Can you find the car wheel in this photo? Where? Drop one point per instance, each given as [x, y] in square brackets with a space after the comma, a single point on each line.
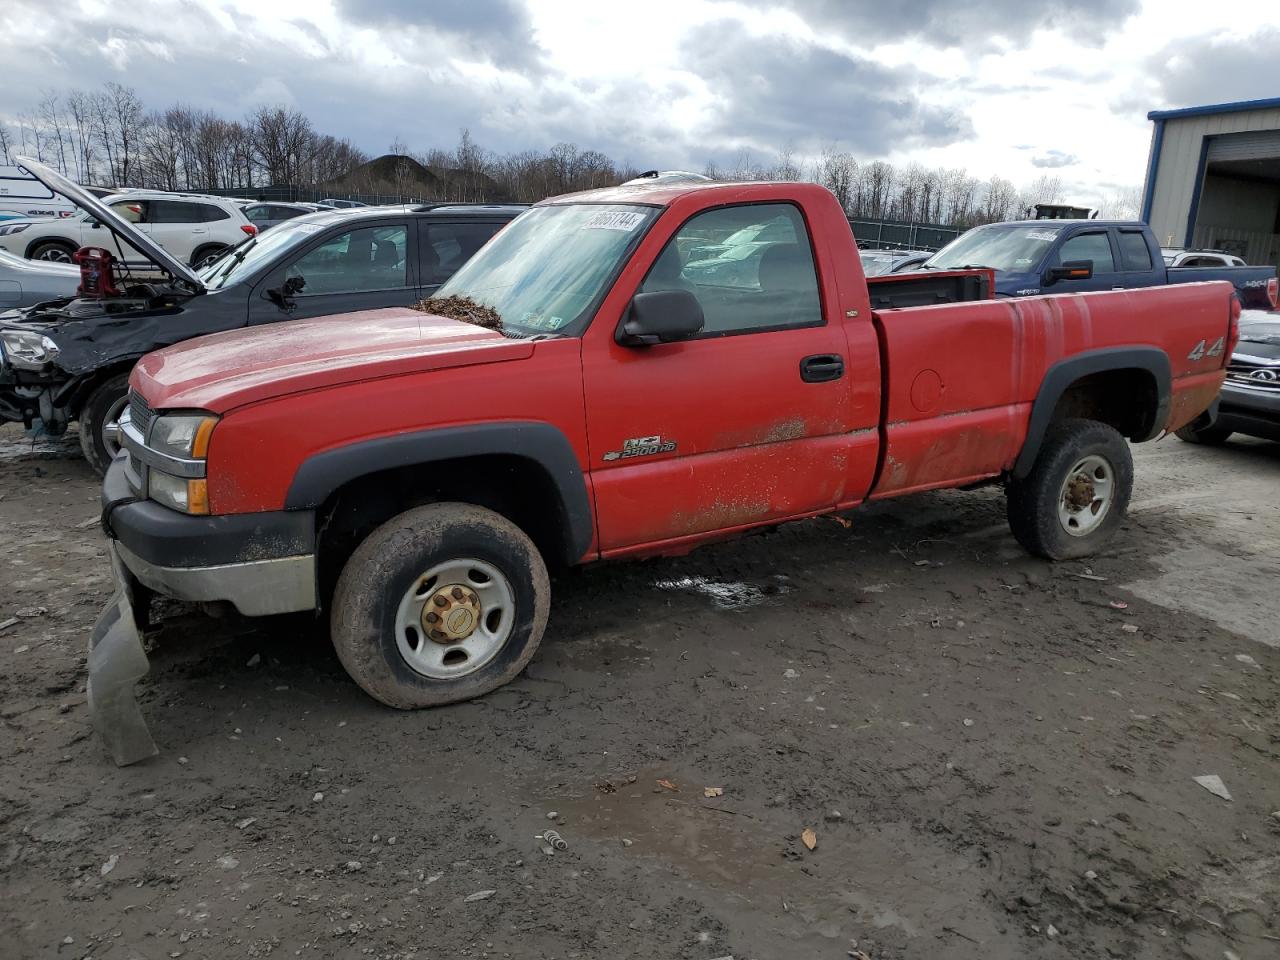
[1075, 496]
[442, 603]
[100, 422]
[205, 256]
[53, 251]
[1210, 435]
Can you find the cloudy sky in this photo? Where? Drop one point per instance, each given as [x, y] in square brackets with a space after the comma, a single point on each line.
[1010, 87]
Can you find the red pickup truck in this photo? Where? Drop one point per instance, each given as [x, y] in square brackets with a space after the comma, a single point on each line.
[655, 384]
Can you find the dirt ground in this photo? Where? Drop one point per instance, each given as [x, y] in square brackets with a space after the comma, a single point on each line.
[996, 754]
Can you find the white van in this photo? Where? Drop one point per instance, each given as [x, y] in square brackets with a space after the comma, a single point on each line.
[23, 194]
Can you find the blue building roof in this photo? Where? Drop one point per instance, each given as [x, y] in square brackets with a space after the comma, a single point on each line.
[1237, 107]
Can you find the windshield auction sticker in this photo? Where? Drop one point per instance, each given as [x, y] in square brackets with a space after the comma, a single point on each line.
[1044, 235]
[615, 220]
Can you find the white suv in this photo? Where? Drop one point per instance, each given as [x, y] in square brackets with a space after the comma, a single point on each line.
[194, 229]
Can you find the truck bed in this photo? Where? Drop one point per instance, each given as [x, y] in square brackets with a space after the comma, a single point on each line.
[1257, 286]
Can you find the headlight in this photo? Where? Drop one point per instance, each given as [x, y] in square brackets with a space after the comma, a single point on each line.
[182, 435]
[27, 349]
[186, 496]
[12, 228]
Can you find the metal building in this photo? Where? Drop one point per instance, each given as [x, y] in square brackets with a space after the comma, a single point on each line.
[1213, 178]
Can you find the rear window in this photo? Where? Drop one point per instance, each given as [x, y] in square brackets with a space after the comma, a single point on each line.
[1134, 251]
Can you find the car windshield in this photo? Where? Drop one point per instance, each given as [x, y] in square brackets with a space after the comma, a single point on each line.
[248, 256]
[549, 266]
[874, 265]
[1013, 247]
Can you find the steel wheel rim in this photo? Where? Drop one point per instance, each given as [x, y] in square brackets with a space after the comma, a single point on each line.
[54, 255]
[110, 432]
[1086, 496]
[453, 657]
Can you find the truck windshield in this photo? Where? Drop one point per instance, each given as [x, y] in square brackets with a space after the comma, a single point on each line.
[550, 265]
[1013, 247]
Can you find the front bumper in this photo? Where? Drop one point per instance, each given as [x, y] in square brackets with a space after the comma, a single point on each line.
[262, 563]
[1254, 411]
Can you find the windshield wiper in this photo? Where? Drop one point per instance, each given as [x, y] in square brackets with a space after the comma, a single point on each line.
[233, 260]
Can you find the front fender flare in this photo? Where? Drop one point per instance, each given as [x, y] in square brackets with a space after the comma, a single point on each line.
[541, 443]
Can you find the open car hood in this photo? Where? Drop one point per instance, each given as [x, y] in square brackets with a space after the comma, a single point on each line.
[114, 222]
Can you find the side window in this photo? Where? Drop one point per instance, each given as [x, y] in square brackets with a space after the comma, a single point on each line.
[372, 258]
[283, 213]
[1133, 250]
[450, 245]
[750, 267]
[1089, 246]
[135, 211]
[210, 214]
[180, 211]
[258, 214]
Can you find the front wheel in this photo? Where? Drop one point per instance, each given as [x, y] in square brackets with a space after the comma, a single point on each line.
[53, 251]
[100, 422]
[1075, 496]
[442, 603]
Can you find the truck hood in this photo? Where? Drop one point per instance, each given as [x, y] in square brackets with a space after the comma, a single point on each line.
[227, 370]
[1259, 335]
[114, 222]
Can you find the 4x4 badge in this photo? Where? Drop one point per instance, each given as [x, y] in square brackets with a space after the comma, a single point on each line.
[641, 447]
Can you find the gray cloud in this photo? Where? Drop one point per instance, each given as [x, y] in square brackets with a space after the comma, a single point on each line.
[1053, 159]
[500, 30]
[1202, 70]
[778, 91]
[969, 25]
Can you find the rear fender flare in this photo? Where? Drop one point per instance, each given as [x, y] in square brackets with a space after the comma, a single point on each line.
[544, 445]
[1064, 373]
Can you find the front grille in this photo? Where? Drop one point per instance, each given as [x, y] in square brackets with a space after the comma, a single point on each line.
[140, 413]
[1253, 373]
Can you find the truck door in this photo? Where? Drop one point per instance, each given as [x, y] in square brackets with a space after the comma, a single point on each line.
[1090, 243]
[748, 422]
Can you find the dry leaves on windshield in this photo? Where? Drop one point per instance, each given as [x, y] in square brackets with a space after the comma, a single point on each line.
[462, 308]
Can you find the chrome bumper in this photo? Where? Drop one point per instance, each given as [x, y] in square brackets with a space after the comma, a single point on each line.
[256, 588]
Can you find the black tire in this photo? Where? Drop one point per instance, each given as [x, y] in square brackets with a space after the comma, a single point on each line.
[206, 255]
[1210, 435]
[1034, 502]
[55, 251]
[100, 411]
[383, 570]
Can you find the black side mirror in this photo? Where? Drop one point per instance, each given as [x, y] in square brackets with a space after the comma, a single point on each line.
[1071, 270]
[663, 316]
[283, 296]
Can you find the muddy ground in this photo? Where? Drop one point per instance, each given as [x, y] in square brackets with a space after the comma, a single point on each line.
[996, 754]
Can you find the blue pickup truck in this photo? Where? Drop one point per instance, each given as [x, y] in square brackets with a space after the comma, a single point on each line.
[1033, 257]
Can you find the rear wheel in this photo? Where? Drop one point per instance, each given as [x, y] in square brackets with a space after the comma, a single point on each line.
[1076, 494]
[100, 422]
[206, 255]
[442, 603]
[53, 251]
